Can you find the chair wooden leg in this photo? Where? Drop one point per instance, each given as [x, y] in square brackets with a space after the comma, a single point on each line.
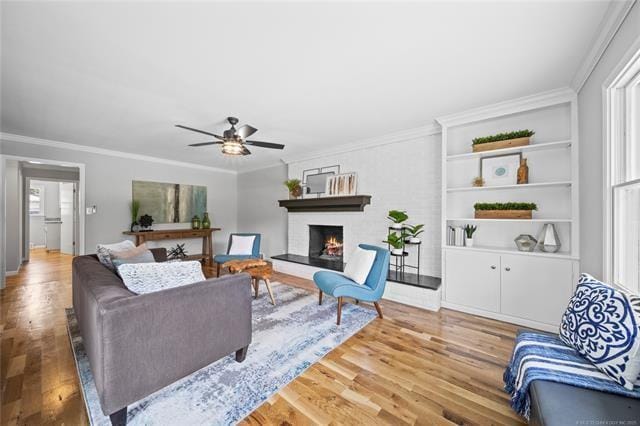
[217, 269]
[320, 298]
[339, 309]
[268, 284]
[255, 287]
[378, 309]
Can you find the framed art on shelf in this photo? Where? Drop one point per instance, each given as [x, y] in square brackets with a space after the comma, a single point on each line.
[500, 170]
[342, 184]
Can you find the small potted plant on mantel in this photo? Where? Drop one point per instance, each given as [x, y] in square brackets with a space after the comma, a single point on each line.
[502, 140]
[412, 233]
[469, 230]
[396, 241]
[397, 217]
[504, 210]
[295, 190]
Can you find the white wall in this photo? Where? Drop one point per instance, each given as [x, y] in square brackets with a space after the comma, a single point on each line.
[108, 186]
[403, 176]
[258, 209]
[13, 258]
[591, 105]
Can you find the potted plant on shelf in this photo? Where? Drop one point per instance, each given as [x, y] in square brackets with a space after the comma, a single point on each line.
[396, 241]
[397, 217]
[504, 210]
[135, 209]
[502, 140]
[295, 190]
[468, 233]
[412, 233]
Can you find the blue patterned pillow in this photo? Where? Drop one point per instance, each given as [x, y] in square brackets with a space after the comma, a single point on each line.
[603, 325]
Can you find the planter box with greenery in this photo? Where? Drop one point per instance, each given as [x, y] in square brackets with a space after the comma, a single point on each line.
[502, 140]
[504, 210]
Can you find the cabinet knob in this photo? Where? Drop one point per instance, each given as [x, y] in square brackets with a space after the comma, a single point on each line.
[493, 266]
[507, 269]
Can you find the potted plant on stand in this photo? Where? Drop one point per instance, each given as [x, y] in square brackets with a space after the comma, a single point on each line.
[135, 209]
[412, 233]
[397, 217]
[295, 190]
[396, 241]
[468, 233]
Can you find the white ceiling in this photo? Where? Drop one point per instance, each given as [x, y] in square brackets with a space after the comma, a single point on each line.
[309, 75]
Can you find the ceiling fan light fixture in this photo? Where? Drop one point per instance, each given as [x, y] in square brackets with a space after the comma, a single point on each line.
[232, 148]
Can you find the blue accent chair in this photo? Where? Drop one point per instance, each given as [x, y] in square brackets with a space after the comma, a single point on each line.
[337, 285]
[255, 252]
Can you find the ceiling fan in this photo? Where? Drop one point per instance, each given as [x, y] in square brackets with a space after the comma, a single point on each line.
[233, 141]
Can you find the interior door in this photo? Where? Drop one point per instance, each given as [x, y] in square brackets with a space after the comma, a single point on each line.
[473, 279]
[536, 288]
[67, 217]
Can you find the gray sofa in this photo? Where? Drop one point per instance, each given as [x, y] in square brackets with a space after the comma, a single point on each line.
[138, 344]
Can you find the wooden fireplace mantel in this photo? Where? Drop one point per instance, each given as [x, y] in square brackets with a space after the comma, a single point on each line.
[350, 203]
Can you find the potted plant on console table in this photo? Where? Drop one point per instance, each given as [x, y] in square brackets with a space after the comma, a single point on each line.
[504, 210]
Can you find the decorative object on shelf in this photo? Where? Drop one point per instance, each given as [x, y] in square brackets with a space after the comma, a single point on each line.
[195, 222]
[502, 140]
[504, 210]
[295, 190]
[455, 236]
[146, 221]
[342, 184]
[523, 172]
[525, 242]
[548, 240]
[206, 222]
[397, 217]
[396, 241]
[185, 200]
[314, 181]
[135, 209]
[478, 182]
[469, 230]
[500, 170]
[177, 252]
[412, 232]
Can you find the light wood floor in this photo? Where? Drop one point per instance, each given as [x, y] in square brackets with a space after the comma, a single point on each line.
[412, 367]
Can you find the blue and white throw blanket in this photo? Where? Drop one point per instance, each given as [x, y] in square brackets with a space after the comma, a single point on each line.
[539, 356]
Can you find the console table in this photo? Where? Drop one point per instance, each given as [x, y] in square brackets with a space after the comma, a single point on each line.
[180, 234]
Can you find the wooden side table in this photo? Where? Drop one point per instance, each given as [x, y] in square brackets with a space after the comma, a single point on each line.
[259, 271]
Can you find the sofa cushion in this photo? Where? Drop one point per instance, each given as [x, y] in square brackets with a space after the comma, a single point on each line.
[144, 278]
[104, 251]
[140, 254]
[603, 325]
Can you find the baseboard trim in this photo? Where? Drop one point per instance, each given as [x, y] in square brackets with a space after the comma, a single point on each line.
[11, 273]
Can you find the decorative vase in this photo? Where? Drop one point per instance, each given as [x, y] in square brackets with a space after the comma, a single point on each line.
[523, 172]
[396, 226]
[548, 240]
[525, 242]
[195, 222]
[468, 242]
[415, 240]
[206, 222]
[295, 193]
[135, 226]
[397, 252]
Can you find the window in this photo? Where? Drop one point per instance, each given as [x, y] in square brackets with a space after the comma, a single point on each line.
[622, 238]
[36, 200]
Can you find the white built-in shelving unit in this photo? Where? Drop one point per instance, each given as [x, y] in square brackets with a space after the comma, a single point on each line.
[493, 278]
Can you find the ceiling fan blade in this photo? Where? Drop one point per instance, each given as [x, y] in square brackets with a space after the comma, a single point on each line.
[265, 144]
[199, 131]
[246, 131]
[245, 151]
[206, 143]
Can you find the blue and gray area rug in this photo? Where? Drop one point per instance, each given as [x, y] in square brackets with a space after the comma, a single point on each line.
[287, 339]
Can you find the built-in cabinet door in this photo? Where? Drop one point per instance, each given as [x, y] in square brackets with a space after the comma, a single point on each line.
[535, 288]
[473, 279]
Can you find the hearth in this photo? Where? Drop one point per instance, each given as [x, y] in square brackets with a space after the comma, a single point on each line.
[326, 242]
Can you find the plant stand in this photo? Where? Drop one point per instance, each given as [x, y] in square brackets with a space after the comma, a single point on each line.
[398, 262]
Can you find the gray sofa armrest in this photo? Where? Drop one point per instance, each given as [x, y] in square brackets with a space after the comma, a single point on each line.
[151, 340]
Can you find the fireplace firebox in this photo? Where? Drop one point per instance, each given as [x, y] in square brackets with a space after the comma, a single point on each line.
[326, 242]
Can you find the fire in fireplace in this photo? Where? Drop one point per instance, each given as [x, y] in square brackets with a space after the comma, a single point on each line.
[325, 242]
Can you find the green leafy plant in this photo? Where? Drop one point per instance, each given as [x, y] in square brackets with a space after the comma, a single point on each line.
[397, 216]
[504, 136]
[505, 206]
[396, 239]
[292, 184]
[414, 230]
[134, 206]
[469, 230]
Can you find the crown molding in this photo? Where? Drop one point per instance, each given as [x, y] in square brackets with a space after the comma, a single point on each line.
[262, 167]
[613, 19]
[112, 153]
[539, 100]
[390, 138]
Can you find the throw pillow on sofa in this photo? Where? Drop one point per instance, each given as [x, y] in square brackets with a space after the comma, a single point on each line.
[140, 254]
[603, 325]
[145, 278]
[359, 265]
[104, 251]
